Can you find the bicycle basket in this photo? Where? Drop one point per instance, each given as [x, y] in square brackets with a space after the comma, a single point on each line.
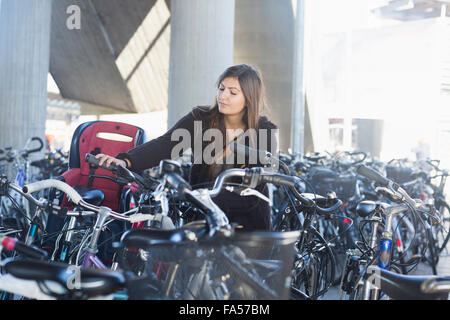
[346, 187]
[399, 174]
[322, 180]
[250, 266]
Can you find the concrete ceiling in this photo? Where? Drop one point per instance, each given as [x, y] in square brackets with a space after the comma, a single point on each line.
[119, 58]
[407, 10]
[102, 63]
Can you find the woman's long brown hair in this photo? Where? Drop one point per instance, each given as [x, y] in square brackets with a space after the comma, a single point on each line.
[252, 86]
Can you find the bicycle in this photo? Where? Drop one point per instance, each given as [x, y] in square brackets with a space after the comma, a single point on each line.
[354, 282]
[442, 234]
[166, 172]
[407, 287]
[13, 208]
[30, 276]
[206, 240]
[215, 218]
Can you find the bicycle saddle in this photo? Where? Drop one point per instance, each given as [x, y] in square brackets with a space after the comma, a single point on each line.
[405, 287]
[181, 242]
[365, 208]
[145, 238]
[87, 283]
[92, 196]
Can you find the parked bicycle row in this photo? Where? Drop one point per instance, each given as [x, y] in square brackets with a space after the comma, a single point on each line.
[415, 232]
[17, 163]
[340, 219]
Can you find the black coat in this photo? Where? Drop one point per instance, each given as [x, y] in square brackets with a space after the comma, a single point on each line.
[251, 212]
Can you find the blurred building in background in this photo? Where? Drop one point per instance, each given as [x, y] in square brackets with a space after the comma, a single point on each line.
[378, 76]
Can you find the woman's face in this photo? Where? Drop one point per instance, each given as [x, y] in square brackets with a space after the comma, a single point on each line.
[230, 97]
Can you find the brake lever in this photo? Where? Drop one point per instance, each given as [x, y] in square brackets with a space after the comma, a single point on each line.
[389, 193]
[160, 195]
[434, 215]
[253, 192]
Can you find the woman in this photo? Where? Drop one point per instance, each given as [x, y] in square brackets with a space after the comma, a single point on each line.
[235, 112]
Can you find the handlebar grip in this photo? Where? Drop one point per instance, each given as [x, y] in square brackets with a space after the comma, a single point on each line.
[120, 171]
[373, 175]
[314, 158]
[358, 153]
[52, 183]
[12, 244]
[279, 179]
[91, 159]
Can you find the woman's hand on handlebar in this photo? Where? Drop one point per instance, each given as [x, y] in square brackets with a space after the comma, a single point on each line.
[110, 159]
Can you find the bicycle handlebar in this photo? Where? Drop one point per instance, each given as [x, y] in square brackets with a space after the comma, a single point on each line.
[11, 154]
[120, 171]
[52, 183]
[253, 177]
[383, 181]
[78, 200]
[41, 145]
[315, 158]
[12, 244]
[353, 153]
[91, 159]
[376, 176]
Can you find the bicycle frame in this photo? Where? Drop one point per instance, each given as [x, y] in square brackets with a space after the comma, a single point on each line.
[385, 244]
[90, 257]
[382, 258]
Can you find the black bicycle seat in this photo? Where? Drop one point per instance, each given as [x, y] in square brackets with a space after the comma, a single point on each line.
[145, 238]
[405, 287]
[92, 196]
[366, 208]
[176, 245]
[87, 283]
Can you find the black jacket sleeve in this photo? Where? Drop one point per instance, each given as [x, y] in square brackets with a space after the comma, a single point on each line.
[149, 154]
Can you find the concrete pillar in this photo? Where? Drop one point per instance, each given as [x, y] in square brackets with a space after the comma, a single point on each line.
[264, 38]
[24, 65]
[201, 48]
[298, 94]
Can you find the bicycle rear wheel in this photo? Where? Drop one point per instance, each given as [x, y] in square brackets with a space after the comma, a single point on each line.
[314, 266]
[443, 231]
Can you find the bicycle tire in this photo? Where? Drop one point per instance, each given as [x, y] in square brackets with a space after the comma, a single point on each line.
[444, 231]
[309, 280]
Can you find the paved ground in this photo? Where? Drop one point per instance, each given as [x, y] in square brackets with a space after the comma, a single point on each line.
[443, 268]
